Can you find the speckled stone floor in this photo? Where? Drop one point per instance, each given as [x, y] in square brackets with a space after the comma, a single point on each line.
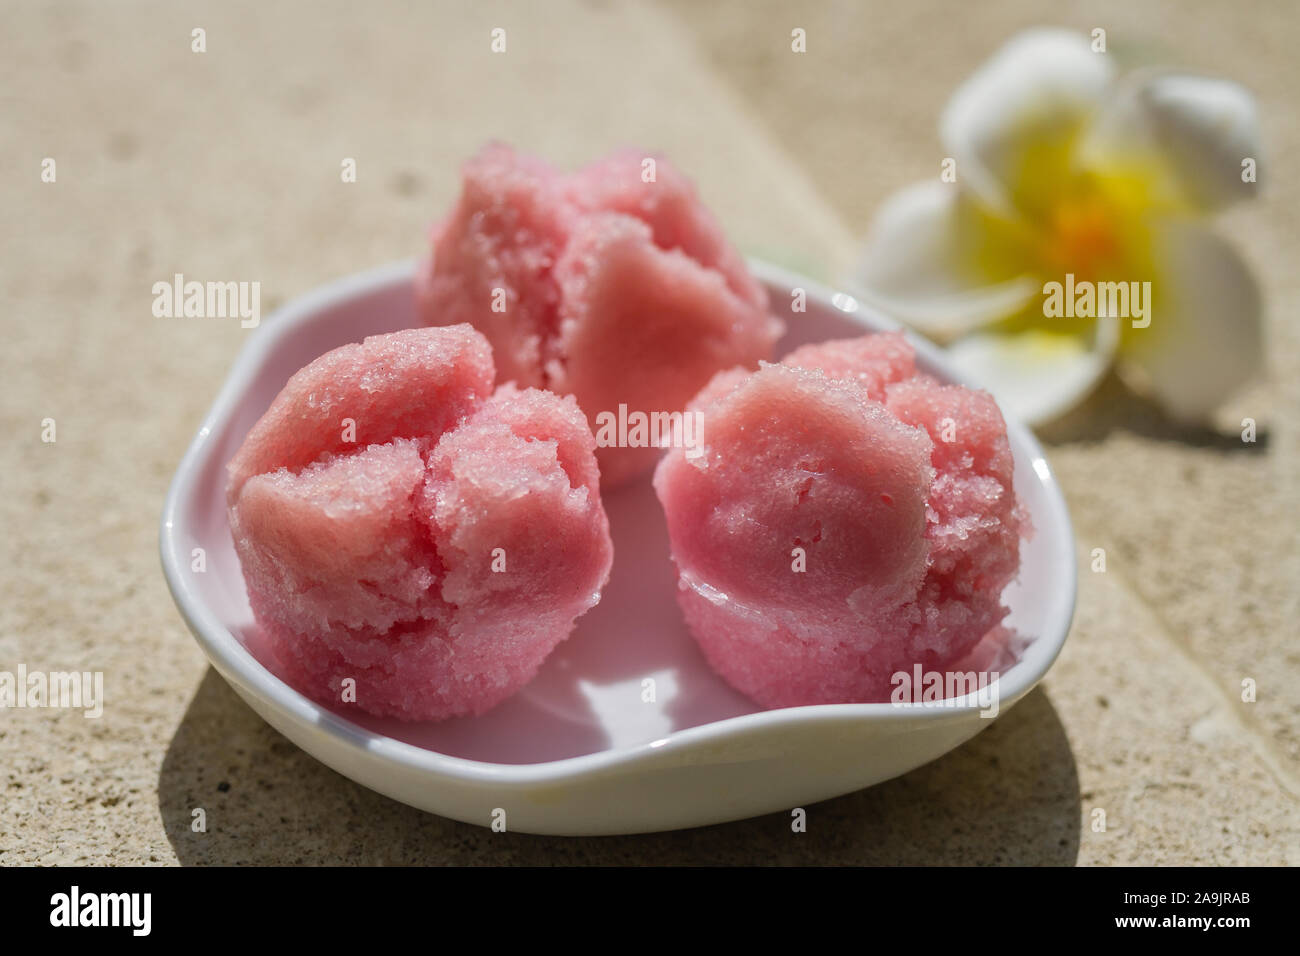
[226, 163]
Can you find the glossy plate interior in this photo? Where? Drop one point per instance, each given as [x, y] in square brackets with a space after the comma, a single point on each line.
[584, 714]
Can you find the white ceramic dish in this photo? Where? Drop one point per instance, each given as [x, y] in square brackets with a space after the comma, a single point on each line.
[578, 751]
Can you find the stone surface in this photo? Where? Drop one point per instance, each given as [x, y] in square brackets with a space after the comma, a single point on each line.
[226, 165]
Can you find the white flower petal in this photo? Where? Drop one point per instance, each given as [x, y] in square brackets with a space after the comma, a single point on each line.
[1038, 90]
[1037, 374]
[1196, 129]
[1206, 333]
[932, 261]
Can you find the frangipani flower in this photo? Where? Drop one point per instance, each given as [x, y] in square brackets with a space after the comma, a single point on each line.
[1069, 181]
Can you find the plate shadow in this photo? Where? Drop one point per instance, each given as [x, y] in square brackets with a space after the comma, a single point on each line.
[1008, 796]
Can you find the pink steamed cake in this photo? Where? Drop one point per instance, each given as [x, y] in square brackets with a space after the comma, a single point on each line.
[908, 539]
[614, 290]
[374, 559]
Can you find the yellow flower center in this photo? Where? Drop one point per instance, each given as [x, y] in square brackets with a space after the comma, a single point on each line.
[1082, 236]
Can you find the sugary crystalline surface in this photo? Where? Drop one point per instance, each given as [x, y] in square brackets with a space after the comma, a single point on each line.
[439, 557]
[846, 519]
[599, 284]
